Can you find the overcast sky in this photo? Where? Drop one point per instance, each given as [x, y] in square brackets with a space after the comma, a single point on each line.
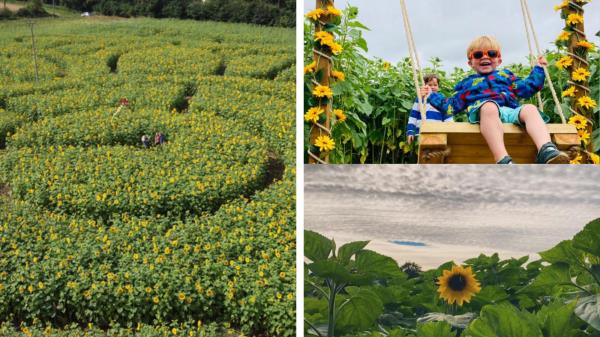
[444, 28]
[523, 207]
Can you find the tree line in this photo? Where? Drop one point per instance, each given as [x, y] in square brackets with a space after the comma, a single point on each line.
[262, 12]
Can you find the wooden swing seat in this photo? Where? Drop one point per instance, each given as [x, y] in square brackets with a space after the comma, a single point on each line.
[462, 143]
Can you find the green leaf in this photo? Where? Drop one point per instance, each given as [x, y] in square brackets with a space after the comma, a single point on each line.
[556, 274]
[588, 309]
[357, 24]
[330, 269]
[503, 320]
[557, 320]
[360, 310]
[377, 265]
[329, 27]
[563, 252]
[346, 251]
[362, 44]
[364, 107]
[316, 246]
[588, 239]
[490, 295]
[435, 329]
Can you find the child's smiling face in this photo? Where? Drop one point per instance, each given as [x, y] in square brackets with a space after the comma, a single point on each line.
[485, 64]
[433, 84]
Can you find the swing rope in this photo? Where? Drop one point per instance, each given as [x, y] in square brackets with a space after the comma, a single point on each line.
[531, 55]
[527, 18]
[415, 65]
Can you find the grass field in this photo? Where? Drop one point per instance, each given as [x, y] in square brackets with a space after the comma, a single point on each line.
[192, 237]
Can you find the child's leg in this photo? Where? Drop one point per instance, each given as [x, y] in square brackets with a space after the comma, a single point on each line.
[534, 124]
[491, 129]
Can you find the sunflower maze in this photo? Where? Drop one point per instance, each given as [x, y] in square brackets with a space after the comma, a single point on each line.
[98, 232]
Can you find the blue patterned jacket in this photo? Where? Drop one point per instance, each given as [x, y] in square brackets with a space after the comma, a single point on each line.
[501, 86]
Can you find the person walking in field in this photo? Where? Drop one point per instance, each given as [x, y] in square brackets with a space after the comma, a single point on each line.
[145, 141]
[490, 98]
[432, 114]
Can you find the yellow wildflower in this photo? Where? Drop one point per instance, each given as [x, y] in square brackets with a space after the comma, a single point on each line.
[155, 299]
[324, 37]
[564, 62]
[336, 48]
[574, 19]
[584, 136]
[570, 92]
[310, 68]
[580, 74]
[334, 11]
[324, 143]
[340, 115]
[579, 121]
[564, 36]
[576, 160]
[586, 102]
[338, 75]
[316, 14]
[174, 331]
[562, 5]
[586, 44]
[595, 158]
[386, 65]
[181, 296]
[322, 91]
[313, 114]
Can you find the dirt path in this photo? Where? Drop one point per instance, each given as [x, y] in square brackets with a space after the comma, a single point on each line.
[12, 7]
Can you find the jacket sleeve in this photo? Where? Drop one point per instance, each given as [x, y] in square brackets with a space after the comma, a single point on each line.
[413, 118]
[448, 106]
[526, 88]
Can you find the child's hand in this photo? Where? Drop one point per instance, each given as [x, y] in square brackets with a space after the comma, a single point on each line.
[542, 61]
[410, 139]
[425, 91]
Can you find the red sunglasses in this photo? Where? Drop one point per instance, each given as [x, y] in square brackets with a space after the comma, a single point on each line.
[478, 54]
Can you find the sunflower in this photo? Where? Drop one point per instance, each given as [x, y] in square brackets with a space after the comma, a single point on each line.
[324, 143]
[325, 38]
[310, 68]
[574, 19]
[564, 62]
[579, 121]
[336, 48]
[584, 136]
[386, 65]
[576, 160]
[586, 44]
[340, 115]
[595, 158]
[322, 91]
[338, 75]
[334, 11]
[586, 102]
[458, 285]
[580, 75]
[564, 4]
[313, 114]
[564, 36]
[570, 92]
[316, 14]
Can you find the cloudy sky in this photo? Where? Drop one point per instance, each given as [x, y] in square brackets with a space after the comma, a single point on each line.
[444, 28]
[522, 208]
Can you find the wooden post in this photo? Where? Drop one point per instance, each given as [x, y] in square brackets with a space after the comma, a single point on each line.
[33, 50]
[580, 60]
[323, 66]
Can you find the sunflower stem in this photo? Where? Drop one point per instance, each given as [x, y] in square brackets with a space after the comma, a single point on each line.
[331, 316]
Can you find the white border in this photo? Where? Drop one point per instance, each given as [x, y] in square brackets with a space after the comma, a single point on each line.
[299, 168]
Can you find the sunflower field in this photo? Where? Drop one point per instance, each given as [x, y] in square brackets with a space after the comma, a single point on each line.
[371, 98]
[351, 291]
[103, 234]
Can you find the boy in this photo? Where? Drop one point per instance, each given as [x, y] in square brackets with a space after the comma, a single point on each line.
[432, 114]
[490, 98]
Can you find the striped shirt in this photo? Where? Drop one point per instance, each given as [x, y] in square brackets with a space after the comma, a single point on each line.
[432, 115]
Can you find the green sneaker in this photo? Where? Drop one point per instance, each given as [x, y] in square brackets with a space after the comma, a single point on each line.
[505, 160]
[549, 154]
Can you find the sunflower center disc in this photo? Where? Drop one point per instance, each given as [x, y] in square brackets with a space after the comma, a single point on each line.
[457, 283]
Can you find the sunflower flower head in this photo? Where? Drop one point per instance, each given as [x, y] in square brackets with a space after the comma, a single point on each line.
[564, 62]
[322, 91]
[576, 160]
[313, 114]
[325, 143]
[574, 19]
[562, 5]
[316, 14]
[580, 75]
[563, 36]
[340, 115]
[310, 68]
[594, 158]
[334, 11]
[386, 65]
[586, 102]
[338, 75]
[325, 38]
[570, 92]
[579, 121]
[586, 44]
[458, 285]
[584, 136]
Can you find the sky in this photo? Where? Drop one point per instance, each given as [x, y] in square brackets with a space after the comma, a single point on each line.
[444, 28]
[524, 208]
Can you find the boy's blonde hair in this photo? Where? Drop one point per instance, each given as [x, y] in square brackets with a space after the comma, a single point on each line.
[483, 42]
